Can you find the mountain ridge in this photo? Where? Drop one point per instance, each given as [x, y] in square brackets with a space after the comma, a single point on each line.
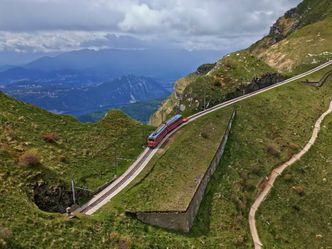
[70, 99]
[298, 41]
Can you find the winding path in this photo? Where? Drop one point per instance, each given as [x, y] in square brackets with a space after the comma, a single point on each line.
[275, 173]
[132, 172]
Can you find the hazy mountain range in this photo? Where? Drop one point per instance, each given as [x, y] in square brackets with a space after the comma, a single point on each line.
[84, 81]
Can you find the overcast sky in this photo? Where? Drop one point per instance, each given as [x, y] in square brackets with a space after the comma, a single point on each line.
[62, 25]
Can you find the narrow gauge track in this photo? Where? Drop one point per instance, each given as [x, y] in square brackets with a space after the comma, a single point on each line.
[114, 188]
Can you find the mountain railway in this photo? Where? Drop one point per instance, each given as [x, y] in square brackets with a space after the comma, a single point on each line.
[132, 172]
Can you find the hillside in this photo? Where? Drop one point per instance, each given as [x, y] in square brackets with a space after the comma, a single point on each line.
[303, 198]
[61, 148]
[267, 130]
[71, 99]
[299, 40]
[41, 152]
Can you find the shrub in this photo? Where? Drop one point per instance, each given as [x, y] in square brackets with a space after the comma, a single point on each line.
[5, 235]
[293, 146]
[239, 240]
[62, 158]
[50, 137]
[125, 243]
[273, 151]
[204, 135]
[256, 170]
[29, 158]
[299, 190]
[4, 149]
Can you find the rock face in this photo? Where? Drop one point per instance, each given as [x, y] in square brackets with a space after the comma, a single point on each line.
[284, 26]
[256, 84]
[268, 79]
[55, 198]
[205, 68]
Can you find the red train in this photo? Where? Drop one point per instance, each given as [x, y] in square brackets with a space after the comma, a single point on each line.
[155, 138]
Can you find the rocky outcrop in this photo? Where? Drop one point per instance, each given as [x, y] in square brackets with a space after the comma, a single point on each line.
[284, 26]
[205, 68]
[256, 84]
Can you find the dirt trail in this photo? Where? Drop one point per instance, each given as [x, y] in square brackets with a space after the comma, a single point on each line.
[275, 173]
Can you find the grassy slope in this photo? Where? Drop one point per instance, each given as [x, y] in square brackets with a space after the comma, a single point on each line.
[234, 70]
[89, 148]
[289, 220]
[302, 50]
[281, 119]
[177, 170]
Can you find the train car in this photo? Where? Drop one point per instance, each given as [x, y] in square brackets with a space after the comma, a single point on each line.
[155, 138]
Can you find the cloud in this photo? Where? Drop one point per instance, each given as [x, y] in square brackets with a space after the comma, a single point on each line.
[62, 24]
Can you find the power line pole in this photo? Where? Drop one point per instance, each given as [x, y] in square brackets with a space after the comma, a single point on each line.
[73, 189]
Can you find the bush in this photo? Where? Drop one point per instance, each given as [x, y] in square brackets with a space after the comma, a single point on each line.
[273, 151]
[62, 158]
[29, 158]
[4, 149]
[125, 243]
[256, 170]
[204, 135]
[293, 146]
[299, 190]
[5, 235]
[50, 137]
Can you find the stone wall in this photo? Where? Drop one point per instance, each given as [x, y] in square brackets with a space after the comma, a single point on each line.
[322, 80]
[183, 220]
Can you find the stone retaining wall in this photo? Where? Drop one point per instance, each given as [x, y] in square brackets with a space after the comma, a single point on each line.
[183, 220]
[321, 82]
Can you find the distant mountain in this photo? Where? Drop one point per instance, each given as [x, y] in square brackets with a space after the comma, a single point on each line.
[86, 66]
[68, 98]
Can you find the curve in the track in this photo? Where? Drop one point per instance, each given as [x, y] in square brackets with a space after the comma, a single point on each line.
[114, 188]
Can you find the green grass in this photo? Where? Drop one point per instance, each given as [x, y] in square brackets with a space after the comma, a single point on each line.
[177, 170]
[316, 77]
[281, 118]
[304, 49]
[289, 220]
[90, 149]
[239, 67]
[196, 91]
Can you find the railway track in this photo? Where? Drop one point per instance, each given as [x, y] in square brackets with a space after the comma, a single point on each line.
[114, 188]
